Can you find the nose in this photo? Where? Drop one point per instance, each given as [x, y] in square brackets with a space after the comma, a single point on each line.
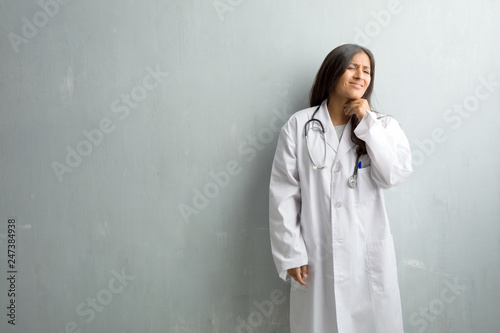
[358, 73]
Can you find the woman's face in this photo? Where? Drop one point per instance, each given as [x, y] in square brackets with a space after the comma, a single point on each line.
[356, 78]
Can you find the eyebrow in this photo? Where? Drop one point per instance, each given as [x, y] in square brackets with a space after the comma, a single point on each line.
[355, 64]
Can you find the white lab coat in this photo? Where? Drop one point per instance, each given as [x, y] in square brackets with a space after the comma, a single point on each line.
[343, 234]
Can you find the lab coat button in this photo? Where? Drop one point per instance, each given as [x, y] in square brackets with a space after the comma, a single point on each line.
[337, 205]
[337, 170]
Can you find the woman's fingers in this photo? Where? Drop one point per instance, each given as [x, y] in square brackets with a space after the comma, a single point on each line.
[304, 271]
[299, 280]
[298, 273]
[357, 107]
[294, 272]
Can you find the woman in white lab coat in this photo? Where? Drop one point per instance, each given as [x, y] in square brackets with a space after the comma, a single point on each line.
[329, 232]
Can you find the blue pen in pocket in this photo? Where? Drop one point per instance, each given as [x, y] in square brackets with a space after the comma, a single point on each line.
[359, 165]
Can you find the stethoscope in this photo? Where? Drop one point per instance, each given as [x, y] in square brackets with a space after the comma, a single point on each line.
[353, 180]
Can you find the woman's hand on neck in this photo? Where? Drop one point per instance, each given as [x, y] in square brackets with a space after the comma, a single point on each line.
[336, 110]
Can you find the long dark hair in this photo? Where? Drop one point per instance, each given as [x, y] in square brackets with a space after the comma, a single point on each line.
[332, 68]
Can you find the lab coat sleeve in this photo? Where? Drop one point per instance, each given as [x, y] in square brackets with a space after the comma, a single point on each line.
[388, 148]
[287, 244]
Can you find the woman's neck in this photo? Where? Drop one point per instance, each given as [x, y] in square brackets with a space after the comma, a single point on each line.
[336, 110]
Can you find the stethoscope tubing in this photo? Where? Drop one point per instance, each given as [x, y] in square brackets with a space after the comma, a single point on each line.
[306, 134]
[353, 179]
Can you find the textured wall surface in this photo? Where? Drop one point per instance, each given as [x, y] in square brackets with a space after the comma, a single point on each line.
[136, 140]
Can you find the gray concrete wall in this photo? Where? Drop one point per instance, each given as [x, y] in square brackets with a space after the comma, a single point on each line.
[136, 140]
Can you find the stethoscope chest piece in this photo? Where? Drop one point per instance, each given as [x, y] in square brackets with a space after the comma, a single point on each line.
[353, 181]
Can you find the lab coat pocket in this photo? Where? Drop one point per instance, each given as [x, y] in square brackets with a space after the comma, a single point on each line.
[381, 262]
[367, 189]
